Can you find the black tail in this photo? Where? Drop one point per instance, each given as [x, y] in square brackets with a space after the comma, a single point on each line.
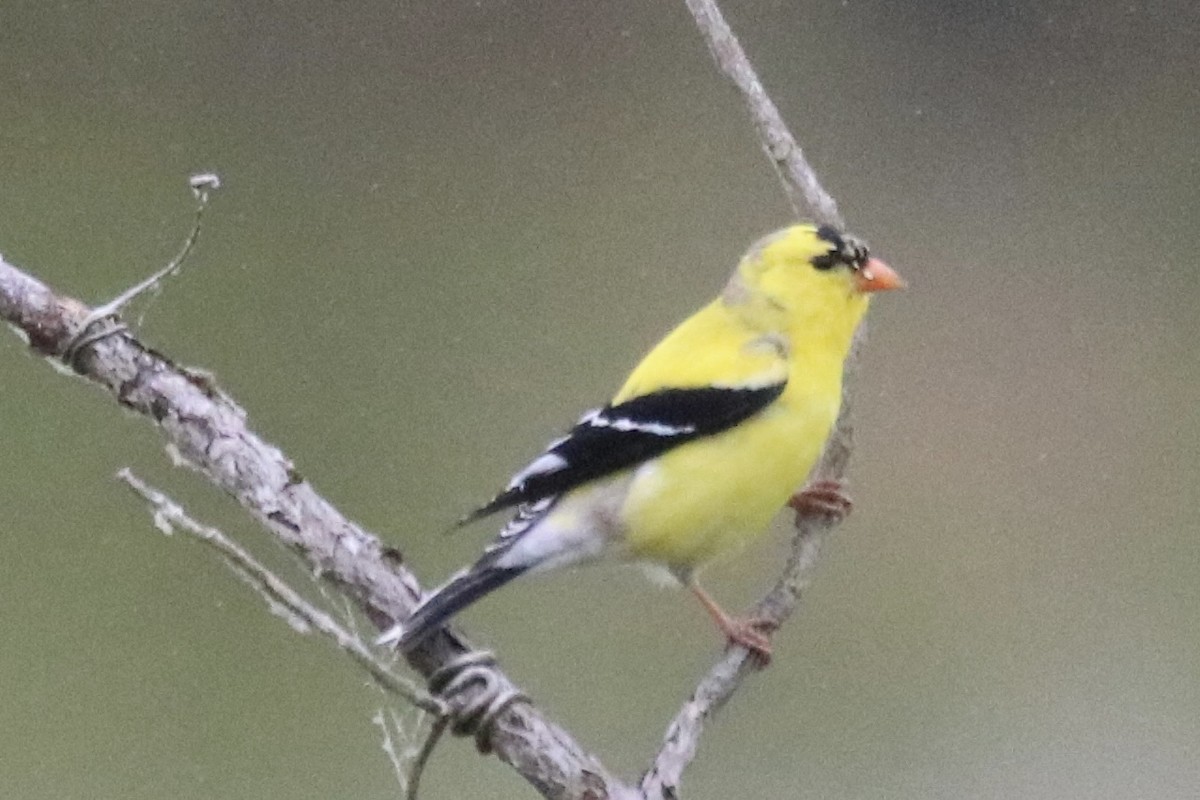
[459, 592]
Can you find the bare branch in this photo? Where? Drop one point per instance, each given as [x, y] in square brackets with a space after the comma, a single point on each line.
[804, 190]
[420, 758]
[169, 515]
[207, 430]
[202, 186]
[683, 734]
[387, 722]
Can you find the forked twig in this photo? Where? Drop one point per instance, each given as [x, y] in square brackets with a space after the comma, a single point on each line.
[799, 179]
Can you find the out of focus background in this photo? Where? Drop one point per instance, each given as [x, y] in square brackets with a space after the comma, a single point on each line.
[449, 227]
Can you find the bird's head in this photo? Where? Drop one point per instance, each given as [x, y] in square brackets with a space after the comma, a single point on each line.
[808, 277]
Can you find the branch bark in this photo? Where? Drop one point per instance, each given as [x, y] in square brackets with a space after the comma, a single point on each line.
[209, 430]
[799, 179]
[169, 516]
[682, 738]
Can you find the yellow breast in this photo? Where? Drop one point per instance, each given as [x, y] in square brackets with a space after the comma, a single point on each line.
[710, 498]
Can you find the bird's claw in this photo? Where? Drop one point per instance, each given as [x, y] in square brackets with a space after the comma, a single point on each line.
[824, 499]
[754, 634]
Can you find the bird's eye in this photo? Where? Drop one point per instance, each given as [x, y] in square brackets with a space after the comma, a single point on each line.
[827, 260]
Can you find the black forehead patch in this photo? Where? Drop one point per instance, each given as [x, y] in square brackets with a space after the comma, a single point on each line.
[830, 234]
[842, 250]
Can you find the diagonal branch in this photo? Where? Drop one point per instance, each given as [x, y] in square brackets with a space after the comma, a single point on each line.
[302, 615]
[682, 738]
[209, 431]
[804, 190]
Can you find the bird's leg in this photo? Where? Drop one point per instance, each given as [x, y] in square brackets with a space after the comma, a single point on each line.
[822, 499]
[752, 633]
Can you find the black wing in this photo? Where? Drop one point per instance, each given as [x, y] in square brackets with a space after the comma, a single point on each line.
[612, 438]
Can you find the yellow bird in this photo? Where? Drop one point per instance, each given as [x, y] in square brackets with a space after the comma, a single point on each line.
[709, 437]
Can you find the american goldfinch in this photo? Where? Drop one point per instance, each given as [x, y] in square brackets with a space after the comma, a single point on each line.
[709, 437]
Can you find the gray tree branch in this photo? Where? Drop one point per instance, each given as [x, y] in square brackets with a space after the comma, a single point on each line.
[169, 516]
[209, 431]
[808, 198]
[799, 179]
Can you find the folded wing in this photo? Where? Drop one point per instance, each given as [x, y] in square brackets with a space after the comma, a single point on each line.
[622, 435]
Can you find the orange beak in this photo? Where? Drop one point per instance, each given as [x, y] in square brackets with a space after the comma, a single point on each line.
[876, 276]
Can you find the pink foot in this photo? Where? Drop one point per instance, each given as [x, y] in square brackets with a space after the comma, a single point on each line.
[752, 633]
[823, 500]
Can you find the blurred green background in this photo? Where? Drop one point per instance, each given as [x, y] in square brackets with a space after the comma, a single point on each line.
[449, 227]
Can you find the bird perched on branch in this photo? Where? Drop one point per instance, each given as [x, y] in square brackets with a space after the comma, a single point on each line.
[710, 436]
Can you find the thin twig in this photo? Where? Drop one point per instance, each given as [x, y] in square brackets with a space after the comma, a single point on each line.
[421, 758]
[202, 187]
[167, 512]
[101, 322]
[804, 190]
[682, 738]
[386, 725]
[408, 777]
